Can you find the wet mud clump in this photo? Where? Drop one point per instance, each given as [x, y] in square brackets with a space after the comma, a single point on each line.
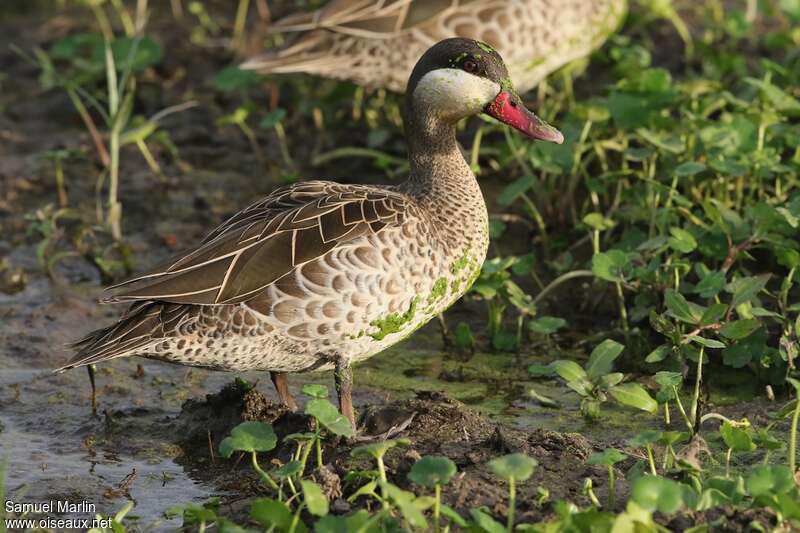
[434, 425]
[204, 423]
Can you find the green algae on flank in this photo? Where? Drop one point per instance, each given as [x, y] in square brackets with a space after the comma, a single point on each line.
[455, 285]
[437, 291]
[461, 263]
[394, 322]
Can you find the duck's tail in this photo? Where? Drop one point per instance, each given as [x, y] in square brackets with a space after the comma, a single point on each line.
[308, 55]
[138, 329]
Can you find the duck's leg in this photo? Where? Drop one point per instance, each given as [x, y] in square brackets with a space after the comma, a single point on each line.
[90, 369]
[447, 338]
[343, 377]
[279, 380]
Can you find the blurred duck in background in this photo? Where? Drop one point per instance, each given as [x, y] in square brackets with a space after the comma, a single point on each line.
[377, 43]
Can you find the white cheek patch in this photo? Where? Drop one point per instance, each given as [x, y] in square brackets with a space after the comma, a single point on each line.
[453, 93]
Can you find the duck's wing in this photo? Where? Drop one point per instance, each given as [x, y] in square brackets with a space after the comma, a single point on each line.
[266, 241]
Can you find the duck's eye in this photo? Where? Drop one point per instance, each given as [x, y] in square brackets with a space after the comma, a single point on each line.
[470, 66]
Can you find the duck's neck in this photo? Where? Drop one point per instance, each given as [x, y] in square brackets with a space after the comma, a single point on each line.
[433, 151]
[441, 180]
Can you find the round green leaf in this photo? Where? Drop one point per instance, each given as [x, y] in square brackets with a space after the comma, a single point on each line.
[546, 325]
[135, 53]
[315, 391]
[611, 265]
[770, 480]
[432, 470]
[516, 465]
[272, 513]
[648, 436]
[249, 437]
[329, 417]
[656, 493]
[736, 438]
[607, 457]
[315, 499]
[288, 470]
[233, 78]
[378, 449]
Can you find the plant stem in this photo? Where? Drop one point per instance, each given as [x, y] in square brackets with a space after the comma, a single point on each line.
[266, 477]
[62, 191]
[540, 223]
[436, 504]
[696, 393]
[295, 519]
[284, 145]
[306, 453]
[512, 501]
[623, 312]
[239, 23]
[114, 207]
[319, 453]
[381, 469]
[612, 487]
[102, 153]
[561, 279]
[383, 481]
[679, 403]
[114, 216]
[650, 459]
[251, 137]
[151, 161]
[793, 436]
[728, 462]
[124, 18]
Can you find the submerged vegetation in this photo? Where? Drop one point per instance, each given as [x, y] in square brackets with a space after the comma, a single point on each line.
[660, 242]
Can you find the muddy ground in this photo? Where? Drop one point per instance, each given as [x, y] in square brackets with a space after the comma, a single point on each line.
[158, 425]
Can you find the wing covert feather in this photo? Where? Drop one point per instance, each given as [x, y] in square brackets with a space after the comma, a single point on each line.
[266, 241]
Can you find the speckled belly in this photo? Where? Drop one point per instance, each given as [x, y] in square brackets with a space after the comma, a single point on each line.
[353, 302]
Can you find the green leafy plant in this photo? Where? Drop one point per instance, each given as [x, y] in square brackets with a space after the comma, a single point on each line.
[595, 381]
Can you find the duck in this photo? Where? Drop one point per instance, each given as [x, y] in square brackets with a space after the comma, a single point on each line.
[321, 275]
[376, 43]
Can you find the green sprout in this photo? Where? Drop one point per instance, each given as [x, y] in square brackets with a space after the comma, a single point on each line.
[432, 471]
[608, 458]
[251, 437]
[514, 467]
